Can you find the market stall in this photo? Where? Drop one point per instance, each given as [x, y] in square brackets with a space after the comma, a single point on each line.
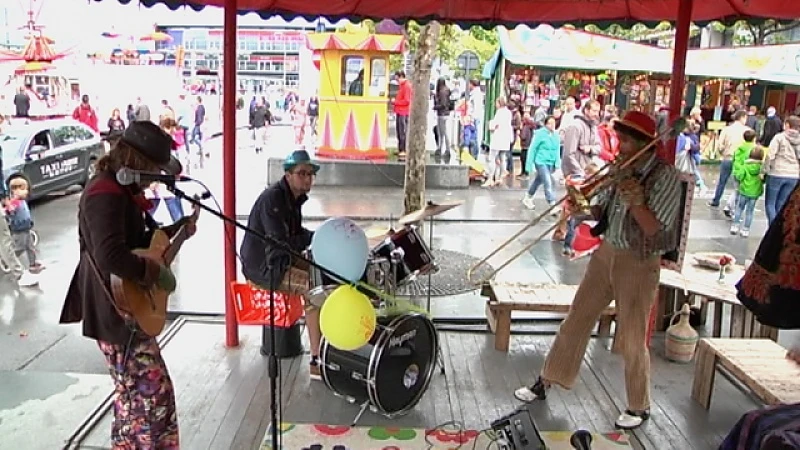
[353, 92]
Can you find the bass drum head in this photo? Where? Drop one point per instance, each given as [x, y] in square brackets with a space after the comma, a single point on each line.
[403, 362]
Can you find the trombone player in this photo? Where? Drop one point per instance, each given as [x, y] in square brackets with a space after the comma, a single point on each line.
[638, 217]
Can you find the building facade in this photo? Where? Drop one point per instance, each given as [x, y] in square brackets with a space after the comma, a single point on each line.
[267, 56]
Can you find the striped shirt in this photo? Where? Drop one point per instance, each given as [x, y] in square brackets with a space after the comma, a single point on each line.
[662, 187]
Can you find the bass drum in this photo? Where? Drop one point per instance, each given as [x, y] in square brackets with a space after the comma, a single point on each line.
[392, 371]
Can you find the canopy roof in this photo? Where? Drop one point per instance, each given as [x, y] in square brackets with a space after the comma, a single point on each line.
[505, 12]
[356, 41]
[37, 49]
[574, 49]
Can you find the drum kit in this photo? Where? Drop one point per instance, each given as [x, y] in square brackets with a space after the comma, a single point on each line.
[390, 374]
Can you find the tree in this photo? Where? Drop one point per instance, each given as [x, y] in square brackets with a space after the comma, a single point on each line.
[425, 49]
[767, 32]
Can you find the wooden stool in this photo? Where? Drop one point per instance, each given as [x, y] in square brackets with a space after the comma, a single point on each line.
[556, 298]
[759, 364]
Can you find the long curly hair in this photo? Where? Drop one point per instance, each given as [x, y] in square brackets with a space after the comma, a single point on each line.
[123, 155]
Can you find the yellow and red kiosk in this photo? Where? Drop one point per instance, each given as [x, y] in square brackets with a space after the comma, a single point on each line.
[353, 92]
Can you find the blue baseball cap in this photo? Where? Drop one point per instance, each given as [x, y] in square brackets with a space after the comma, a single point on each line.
[298, 157]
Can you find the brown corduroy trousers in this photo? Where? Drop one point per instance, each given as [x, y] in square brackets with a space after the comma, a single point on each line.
[622, 276]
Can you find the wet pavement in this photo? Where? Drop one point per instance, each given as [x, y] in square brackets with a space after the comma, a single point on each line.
[34, 343]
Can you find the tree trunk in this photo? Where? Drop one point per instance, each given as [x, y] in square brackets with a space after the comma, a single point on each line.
[414, 188]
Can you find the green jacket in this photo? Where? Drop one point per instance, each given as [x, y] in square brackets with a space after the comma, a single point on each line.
[748, 174]
[742, 153]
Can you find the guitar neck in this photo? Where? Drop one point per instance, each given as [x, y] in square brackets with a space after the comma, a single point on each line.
[175, 246]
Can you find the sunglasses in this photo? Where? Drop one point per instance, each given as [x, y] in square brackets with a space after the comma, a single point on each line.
[305, 173]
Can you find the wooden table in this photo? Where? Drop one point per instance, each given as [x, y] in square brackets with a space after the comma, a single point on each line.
[695, 282]
[507, 297]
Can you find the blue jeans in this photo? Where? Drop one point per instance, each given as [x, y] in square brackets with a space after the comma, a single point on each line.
[746, 205]
[174, 206]
[544, 178]
[777, 193]
[196, 138]
[725, 169]
[569, 237]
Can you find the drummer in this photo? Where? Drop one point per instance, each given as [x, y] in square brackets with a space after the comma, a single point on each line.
[278, 213]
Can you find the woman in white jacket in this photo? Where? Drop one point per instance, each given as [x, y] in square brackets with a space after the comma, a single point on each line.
[502, 135]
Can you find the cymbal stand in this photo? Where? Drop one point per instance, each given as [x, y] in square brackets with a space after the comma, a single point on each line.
[439, 355]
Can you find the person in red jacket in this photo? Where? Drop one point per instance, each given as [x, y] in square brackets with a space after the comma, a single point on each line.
[402, 106]
[609, 142]
[85, 114]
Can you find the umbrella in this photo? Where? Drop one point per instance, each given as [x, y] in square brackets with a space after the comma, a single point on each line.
[156, 36]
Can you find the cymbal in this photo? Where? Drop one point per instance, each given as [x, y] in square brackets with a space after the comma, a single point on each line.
[377, 232]
[430, 210]
[376, 235]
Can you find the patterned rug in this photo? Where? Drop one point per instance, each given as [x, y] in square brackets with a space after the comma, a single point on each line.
[328, 437]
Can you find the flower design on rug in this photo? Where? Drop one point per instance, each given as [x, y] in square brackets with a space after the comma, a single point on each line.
[285, 427]
[456, 436]
[332, 430]
[385, 433]
[617, 438]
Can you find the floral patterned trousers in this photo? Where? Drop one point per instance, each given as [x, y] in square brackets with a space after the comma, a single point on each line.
[145, 417]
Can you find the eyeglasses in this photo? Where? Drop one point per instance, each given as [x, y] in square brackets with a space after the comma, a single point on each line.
[305, 173]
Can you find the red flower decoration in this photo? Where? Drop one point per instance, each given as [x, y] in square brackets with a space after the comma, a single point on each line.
[332, 430]
[456, 436]
[725, 260]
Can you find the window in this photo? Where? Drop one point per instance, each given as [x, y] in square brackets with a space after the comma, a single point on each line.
[377, 77]
[42, 138]
[352, 75]
[83, 134]
[65, 135]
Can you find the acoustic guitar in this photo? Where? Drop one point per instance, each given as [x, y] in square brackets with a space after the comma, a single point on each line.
[149, 306]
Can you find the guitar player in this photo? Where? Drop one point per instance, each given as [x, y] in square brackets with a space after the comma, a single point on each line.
[112, 222]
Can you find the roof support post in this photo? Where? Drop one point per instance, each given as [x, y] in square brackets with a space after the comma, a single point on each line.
[229, 165]
[678, 69]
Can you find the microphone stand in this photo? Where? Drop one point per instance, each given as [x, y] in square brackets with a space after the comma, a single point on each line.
[273, 359]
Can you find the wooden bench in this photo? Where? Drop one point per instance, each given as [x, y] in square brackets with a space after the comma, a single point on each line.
[696, 282]
[759, 364]
[555, 298]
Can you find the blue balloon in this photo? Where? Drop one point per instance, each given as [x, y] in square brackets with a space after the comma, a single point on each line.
[341, 246]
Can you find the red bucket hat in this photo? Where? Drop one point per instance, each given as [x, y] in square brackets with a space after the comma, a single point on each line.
[637, 123]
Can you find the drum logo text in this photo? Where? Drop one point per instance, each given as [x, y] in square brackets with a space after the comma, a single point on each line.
[400, 340]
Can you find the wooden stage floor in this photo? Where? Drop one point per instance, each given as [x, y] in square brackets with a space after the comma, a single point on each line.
[223, 394]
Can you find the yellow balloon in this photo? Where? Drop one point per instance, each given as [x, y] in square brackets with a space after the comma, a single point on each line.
[347, 319]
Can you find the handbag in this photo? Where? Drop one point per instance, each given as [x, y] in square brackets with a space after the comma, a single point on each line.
[770, 287]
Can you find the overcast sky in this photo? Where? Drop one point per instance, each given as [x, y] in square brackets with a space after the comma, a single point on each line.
[72, 21]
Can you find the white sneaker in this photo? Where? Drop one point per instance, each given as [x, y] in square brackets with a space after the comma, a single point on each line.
[744, 233]
[734, 229]
[528, 202]
[28, 279]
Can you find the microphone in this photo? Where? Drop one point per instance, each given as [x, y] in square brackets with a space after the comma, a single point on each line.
[581, 440]
[126, 177]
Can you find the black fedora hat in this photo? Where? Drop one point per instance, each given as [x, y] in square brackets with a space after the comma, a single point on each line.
[153, 143]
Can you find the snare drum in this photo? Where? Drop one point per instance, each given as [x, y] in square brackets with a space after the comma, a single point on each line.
[378, 273]
[415, 258]
[392, 371]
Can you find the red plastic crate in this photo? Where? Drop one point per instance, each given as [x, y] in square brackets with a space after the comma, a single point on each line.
[252, 306]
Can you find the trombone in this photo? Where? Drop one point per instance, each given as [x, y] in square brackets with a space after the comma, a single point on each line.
[580, 196]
